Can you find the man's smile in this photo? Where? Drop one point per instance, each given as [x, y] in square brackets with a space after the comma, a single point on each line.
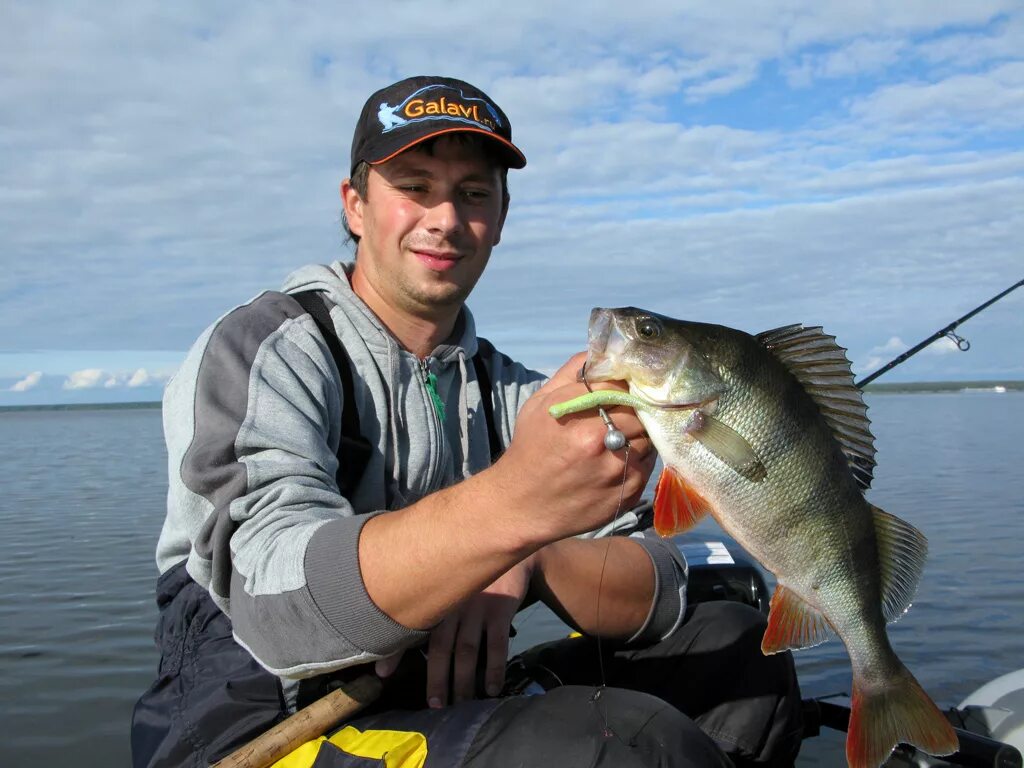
[438, 260]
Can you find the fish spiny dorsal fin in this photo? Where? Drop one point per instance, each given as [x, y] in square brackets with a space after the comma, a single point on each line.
[822, 368]
[793, 623]
[902, 551]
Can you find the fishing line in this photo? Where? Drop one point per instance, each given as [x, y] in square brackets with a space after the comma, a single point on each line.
[600, 581]
[614, 440]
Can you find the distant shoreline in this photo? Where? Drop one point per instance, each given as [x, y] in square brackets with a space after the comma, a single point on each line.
[148, 405]
[894, 388]
[915, 387]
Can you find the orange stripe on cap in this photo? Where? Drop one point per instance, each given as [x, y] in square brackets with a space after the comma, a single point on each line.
[421, 139]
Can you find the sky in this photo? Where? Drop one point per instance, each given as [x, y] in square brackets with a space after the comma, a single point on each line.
[853, 165]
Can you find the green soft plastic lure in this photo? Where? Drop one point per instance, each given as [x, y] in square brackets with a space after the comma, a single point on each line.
[598, 399]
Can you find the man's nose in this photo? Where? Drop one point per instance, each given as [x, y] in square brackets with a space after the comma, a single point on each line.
[444, 216]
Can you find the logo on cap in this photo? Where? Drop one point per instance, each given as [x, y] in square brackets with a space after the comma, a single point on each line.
[427, 104]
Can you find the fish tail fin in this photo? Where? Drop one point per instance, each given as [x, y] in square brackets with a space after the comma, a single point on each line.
[897, 712]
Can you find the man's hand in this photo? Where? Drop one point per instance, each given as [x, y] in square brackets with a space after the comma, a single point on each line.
[559, 473]
[481, 623]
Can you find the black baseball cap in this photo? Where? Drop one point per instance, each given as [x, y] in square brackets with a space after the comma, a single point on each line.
[419, 108]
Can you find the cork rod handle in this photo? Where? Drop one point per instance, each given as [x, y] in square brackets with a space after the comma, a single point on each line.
[306, 724]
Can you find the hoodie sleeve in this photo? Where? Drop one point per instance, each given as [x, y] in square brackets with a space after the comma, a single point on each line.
[252, 426]
[668, 607]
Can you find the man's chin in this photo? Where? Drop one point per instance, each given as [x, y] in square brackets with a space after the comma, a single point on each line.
[442, 296]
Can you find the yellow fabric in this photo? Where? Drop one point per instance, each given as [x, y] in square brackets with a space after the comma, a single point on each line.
[398, 749]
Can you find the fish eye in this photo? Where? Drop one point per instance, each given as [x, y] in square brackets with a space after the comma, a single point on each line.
[648, 328]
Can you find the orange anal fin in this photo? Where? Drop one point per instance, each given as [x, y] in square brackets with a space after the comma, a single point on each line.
[677, 507]
[793, 623]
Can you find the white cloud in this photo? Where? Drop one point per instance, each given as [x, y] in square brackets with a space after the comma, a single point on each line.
[84, 379]
[140, 378]
[28, 382]
[880, 355]
[894, 346]
[723, 84]
[870, 365]
[991, 100]
[91, 378]
[942, 346]
[857, 58]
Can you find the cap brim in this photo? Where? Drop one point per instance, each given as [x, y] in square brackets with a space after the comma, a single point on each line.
[509, 152]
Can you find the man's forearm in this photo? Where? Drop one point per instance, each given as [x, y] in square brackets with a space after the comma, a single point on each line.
[599, 586]
[420, 562]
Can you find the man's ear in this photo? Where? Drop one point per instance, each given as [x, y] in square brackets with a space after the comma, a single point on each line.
[501, 219]
[353, 205]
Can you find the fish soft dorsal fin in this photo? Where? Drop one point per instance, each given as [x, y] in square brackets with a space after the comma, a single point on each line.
[677, 506]
[793, 623]
[822, 368]
[902, 551]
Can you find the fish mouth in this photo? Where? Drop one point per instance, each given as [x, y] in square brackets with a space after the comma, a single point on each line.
[608, 344]
[604, 347]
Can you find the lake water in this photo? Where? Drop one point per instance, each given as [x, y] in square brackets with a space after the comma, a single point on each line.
[81, 504]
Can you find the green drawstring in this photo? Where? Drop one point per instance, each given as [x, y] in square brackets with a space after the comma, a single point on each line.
[435, 398]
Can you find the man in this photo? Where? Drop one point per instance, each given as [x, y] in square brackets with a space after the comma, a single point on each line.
[354, 474]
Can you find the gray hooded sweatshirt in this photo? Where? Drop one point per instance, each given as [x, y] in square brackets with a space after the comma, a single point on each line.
[252, 422]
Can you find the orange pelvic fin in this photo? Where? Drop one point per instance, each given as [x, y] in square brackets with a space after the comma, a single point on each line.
[793, 623]
[677, 507]
[898, 712]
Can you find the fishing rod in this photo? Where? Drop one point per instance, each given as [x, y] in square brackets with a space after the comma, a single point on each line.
[961, 343]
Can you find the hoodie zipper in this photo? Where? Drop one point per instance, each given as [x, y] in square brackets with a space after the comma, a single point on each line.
[439, 456]
[430, 382]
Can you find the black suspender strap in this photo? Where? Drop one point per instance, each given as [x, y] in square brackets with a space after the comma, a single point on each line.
[483, 379]
[353, 449]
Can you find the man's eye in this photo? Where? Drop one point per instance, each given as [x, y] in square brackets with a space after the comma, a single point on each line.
[411, 187]
[476, 194]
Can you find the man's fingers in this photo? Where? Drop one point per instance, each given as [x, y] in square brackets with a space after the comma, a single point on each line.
[439, 661]
[497, 656]
[386, 667]
[467, 655]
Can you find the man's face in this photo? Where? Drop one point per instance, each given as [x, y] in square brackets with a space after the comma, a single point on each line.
[427, 226]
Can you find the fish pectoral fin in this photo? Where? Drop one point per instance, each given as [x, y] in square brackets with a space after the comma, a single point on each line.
[793, 623]
[677, 507]
[728, 445]
[902, 551]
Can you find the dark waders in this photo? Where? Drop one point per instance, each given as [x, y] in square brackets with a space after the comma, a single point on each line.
[703, 693]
